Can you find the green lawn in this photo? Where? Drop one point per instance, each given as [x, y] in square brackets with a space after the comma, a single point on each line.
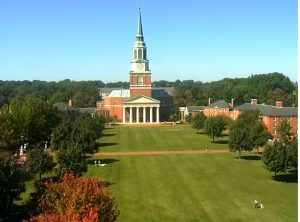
[189, 187]
[164, 138]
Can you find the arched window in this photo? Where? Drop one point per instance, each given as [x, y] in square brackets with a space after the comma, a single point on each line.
[135, 54]
[140, 54]
[145, 54]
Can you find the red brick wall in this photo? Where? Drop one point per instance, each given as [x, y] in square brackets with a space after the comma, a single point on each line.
[145, 92]
[134, 80]
[114, 105]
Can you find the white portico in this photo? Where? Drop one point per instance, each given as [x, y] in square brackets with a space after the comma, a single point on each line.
[141, 109]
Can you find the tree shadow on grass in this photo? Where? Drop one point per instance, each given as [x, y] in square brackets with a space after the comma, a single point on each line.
[107, 144]
[102, 161]
[109, 134]
[221, 142]
[251, 157]
[286, 178]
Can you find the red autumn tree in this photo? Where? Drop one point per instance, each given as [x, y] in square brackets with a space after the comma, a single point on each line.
[77, 199]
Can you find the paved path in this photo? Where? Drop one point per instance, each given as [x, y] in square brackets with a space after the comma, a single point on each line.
[160, 152]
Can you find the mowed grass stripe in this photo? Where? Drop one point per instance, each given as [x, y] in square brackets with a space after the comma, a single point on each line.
[157, 138]
[189, 187]
[196, 188]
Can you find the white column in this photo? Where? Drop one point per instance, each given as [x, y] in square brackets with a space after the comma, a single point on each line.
[157, 114]
[144, 114]
[151, 114]
[124, 116]
[130, 115]
[137, 115]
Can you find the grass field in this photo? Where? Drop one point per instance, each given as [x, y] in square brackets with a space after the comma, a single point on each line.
[189, 187]
[164, 138]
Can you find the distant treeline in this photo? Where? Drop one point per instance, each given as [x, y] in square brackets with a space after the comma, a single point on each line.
[267, 88]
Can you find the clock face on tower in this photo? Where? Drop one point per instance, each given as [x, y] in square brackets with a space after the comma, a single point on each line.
[140, 66]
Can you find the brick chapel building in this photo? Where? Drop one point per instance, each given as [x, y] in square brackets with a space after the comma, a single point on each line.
[141, 103]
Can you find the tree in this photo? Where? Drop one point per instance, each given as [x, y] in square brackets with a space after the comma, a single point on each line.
[198, 121]
[284, 131]
[247, 132]
[33, 119]
[188, 119]
[39, 161]
[293, 155]
[77, 199]
[8, 135]
[214, 126]
[71, 159]
[275, 157]
[11, 184]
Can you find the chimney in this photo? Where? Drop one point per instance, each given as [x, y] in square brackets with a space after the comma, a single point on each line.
[70, 103]
[279, 104]
[232, 102]
[254, 101]
[209, 101]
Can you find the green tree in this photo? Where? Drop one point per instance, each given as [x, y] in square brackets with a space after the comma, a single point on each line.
[11, 184]
[188, 119]
[247, 132]
[71, 159]
[83, 133]
[198, 121]
[293, 155]
[39, 161]
[33, 119]
[8, 135]
[284, 130]
[214, 126]
[275, 157]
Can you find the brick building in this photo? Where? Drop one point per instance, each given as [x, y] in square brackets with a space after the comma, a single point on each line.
[272, 116]
[140, 103]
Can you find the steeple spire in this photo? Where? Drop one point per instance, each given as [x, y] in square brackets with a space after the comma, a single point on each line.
[140, 36]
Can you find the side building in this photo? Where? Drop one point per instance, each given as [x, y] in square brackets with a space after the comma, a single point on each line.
[272, 116]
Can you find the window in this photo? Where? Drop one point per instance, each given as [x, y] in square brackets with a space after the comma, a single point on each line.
[144, 55]
[140, 80]
[135, 55]
[274, 119]
[140, 54]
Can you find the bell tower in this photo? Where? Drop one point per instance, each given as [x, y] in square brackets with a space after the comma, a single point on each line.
[140, 75]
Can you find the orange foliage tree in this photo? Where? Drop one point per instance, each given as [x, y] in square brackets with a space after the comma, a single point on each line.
[77, 199]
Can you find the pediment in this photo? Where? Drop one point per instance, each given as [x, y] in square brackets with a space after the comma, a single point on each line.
[141, 99]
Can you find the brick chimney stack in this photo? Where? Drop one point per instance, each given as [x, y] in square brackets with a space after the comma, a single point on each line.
[254, 101]
[70, 103]
[279, 104]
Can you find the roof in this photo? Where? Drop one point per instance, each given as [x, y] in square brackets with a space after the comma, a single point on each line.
[124, 93]
[194, 108]
[87, 110]
[107, 90]
[220, 104]
[267, 110]
[141, 99]
[168, 90]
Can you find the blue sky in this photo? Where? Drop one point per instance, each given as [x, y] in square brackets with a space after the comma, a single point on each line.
[191, 39]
